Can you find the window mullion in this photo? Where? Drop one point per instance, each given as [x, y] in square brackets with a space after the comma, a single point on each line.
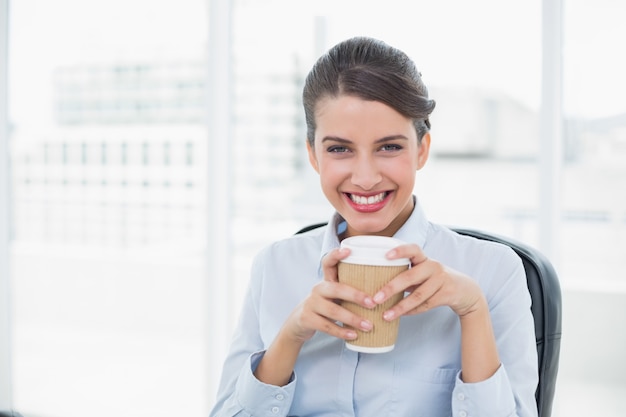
[6, 364]
[550, 154]
[218, 255]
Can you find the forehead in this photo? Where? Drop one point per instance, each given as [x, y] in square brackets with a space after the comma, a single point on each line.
[345, 116]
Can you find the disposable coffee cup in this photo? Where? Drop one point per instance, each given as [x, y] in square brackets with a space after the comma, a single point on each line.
[367, 269]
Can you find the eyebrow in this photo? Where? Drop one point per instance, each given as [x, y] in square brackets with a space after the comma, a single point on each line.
[381, 140]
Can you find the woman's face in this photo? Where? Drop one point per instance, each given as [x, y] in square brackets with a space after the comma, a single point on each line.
[366, 154]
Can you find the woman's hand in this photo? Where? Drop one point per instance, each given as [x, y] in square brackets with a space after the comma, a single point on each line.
[321, 310]
[429, 284]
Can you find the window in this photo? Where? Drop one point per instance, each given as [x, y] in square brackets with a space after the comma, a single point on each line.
[593, 228]
[108, 296]
[109, 281]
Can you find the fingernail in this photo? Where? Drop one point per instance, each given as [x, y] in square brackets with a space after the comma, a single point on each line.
[391, 253]
[351, 335]
[369, 302]
[366, 325]
[379, 296]
[389, 315]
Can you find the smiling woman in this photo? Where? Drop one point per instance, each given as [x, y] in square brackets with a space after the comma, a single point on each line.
[366, 154]
[367, 151]
[367, 133]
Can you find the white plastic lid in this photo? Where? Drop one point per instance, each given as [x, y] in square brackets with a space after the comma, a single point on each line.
[371, 250]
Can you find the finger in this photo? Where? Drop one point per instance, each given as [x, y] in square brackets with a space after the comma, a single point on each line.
[342, 292]
[408, 280]
[317, 322]
[413, 252]
[338, 313]
[330, 262]
[321, 313]
[423, 298]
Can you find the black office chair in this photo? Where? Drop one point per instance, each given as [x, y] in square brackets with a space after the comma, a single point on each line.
[545, 292]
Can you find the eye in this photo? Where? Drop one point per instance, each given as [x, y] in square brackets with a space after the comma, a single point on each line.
[337, 149]
[390, 147]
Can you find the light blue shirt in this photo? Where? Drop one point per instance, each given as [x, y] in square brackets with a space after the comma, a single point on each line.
[420, 377]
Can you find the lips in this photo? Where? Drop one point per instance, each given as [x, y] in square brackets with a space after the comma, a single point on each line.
[368, 203]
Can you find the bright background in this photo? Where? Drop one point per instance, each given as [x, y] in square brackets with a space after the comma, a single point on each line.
[130, 168]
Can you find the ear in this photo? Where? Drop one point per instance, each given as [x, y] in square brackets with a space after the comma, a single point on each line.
[423, 151]
[312, 157]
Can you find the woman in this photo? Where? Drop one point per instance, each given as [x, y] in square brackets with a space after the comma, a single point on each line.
[466, 342]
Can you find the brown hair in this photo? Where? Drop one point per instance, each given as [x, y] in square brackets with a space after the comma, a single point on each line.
[372, 70]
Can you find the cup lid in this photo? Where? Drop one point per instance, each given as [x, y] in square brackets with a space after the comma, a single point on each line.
[371, 250]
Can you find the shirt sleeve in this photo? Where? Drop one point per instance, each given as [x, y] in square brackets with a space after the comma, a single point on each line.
[491, 397]
[511, 390]
[260, 399]
[252, 397]
[240, 393]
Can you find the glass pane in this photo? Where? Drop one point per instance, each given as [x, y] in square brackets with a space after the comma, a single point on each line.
[107, 112]
[593, 232]
[594, 200]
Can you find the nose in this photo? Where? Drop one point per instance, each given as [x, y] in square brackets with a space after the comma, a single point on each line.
[365, 173]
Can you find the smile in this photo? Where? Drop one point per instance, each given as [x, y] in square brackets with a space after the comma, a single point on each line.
[372, 199]
[368, 203]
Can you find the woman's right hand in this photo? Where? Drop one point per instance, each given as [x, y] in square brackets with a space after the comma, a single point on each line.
[322, 310]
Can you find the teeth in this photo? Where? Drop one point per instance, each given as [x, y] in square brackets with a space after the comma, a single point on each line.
[368, 200]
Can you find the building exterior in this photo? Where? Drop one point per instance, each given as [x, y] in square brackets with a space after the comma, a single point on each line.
[125, 163]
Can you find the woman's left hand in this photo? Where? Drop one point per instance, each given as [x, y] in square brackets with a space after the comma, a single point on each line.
[430, 284]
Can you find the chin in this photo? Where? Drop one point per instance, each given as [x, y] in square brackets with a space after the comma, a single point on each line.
[367, 228]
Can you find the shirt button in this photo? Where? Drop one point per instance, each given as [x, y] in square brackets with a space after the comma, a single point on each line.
[280, 397]
[462, 413]
[461, 396]
[275, 410]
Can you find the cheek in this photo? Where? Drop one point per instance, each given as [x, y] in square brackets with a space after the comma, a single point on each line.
[327, 174]
[333, 174]
[402, 169]
[332, 169]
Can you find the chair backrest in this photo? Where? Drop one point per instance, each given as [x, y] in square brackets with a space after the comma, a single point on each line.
[545, 291]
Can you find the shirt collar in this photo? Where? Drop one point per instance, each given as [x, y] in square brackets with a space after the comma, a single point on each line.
[414, 230]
